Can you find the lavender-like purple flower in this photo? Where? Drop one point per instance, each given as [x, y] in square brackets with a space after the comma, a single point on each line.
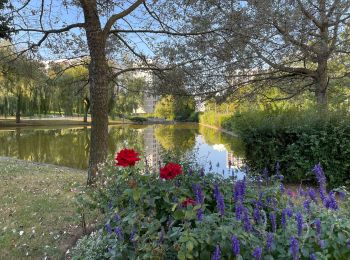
[300, 220]
[306, 205]
[257, 253]
[312, 195]
[239, 211]
[198, 193]
[341, 195]
[301, 191]
[269, 241]
[294, 248]
[110, 206]
[273, 221]
[217, 253]
[287, 212]
[349, 242]
[119, 232]
[235, 245]
[330, 202]
[239, 190]
[216, 190]
[116, 218]
[200, 214]
[220, 203]
[257, 215]
[313, 256]
[108, 228]
[247, 225]
[320, 176]
[318, 227]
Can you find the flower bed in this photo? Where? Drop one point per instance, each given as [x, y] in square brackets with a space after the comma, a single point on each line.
[184, 213]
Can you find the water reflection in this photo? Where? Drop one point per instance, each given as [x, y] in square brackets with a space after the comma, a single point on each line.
[70, 146]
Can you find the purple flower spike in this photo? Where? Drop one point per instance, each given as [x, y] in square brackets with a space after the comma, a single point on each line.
[247, 225]
[318, 227]
[217, 253]
[306, 205]
[108, 228]
[239, 191]
[330, 202]
[312, 195]
[273, 221]
[313, 257]
[349, 243]
[257, 253]
[320, 176]
[300, 220]
[256, 215]
[198, 193]
[220, 204]
[270, 238]
[119, 232]
[235, 245]
[200, 214]
[294, 248]
[239, 211]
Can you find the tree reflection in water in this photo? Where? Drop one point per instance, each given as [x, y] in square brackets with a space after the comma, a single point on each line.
[70, 146]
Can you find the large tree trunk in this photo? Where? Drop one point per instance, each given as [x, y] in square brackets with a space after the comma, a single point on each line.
[321, 85]
[98, 89]
[18, 108]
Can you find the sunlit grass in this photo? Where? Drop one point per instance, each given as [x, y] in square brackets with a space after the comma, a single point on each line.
[38, 214]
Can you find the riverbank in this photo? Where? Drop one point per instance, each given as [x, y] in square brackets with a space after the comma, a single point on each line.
[38, 216]
[220, 129]
[64, 121]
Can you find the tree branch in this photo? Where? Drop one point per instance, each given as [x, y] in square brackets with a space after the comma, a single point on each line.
[120, 15]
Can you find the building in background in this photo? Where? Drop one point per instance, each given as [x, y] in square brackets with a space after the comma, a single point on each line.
[149, 100]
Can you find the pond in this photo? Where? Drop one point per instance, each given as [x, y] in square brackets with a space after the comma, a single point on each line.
[70, 146]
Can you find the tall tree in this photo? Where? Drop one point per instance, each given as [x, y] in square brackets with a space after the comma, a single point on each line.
[101, 33]
[287, 44]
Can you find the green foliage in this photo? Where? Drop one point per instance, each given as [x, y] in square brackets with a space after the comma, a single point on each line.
[214, 119]
[297, 140]
[147, 220]
[137, 119]
[178, 108]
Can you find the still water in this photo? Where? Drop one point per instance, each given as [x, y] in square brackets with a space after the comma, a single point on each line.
[70, 146]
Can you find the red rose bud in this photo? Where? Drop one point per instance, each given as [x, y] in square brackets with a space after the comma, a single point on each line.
[170, 171]
[127, 157]
[188, 202]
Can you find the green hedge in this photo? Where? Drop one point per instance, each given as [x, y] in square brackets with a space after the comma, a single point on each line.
[297, 140]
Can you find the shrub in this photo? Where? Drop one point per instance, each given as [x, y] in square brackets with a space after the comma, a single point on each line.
[213, 119]
[297, 140]
[197, 215]
[138, 119]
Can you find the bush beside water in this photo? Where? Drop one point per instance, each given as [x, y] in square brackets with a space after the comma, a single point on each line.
[298, 140]
[197, 215]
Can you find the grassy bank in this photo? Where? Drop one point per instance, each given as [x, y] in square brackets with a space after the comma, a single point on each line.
[10, 122]
[38, 215]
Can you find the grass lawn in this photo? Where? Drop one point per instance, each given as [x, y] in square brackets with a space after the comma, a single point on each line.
[38, 215]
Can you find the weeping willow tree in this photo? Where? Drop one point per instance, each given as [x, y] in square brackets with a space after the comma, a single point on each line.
[20, 79]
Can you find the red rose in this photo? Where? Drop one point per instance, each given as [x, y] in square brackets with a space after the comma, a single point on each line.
[187, 202]
[170, 171]
[127, 157]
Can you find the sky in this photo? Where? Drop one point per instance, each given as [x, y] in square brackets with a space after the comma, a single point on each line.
[56, 15]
